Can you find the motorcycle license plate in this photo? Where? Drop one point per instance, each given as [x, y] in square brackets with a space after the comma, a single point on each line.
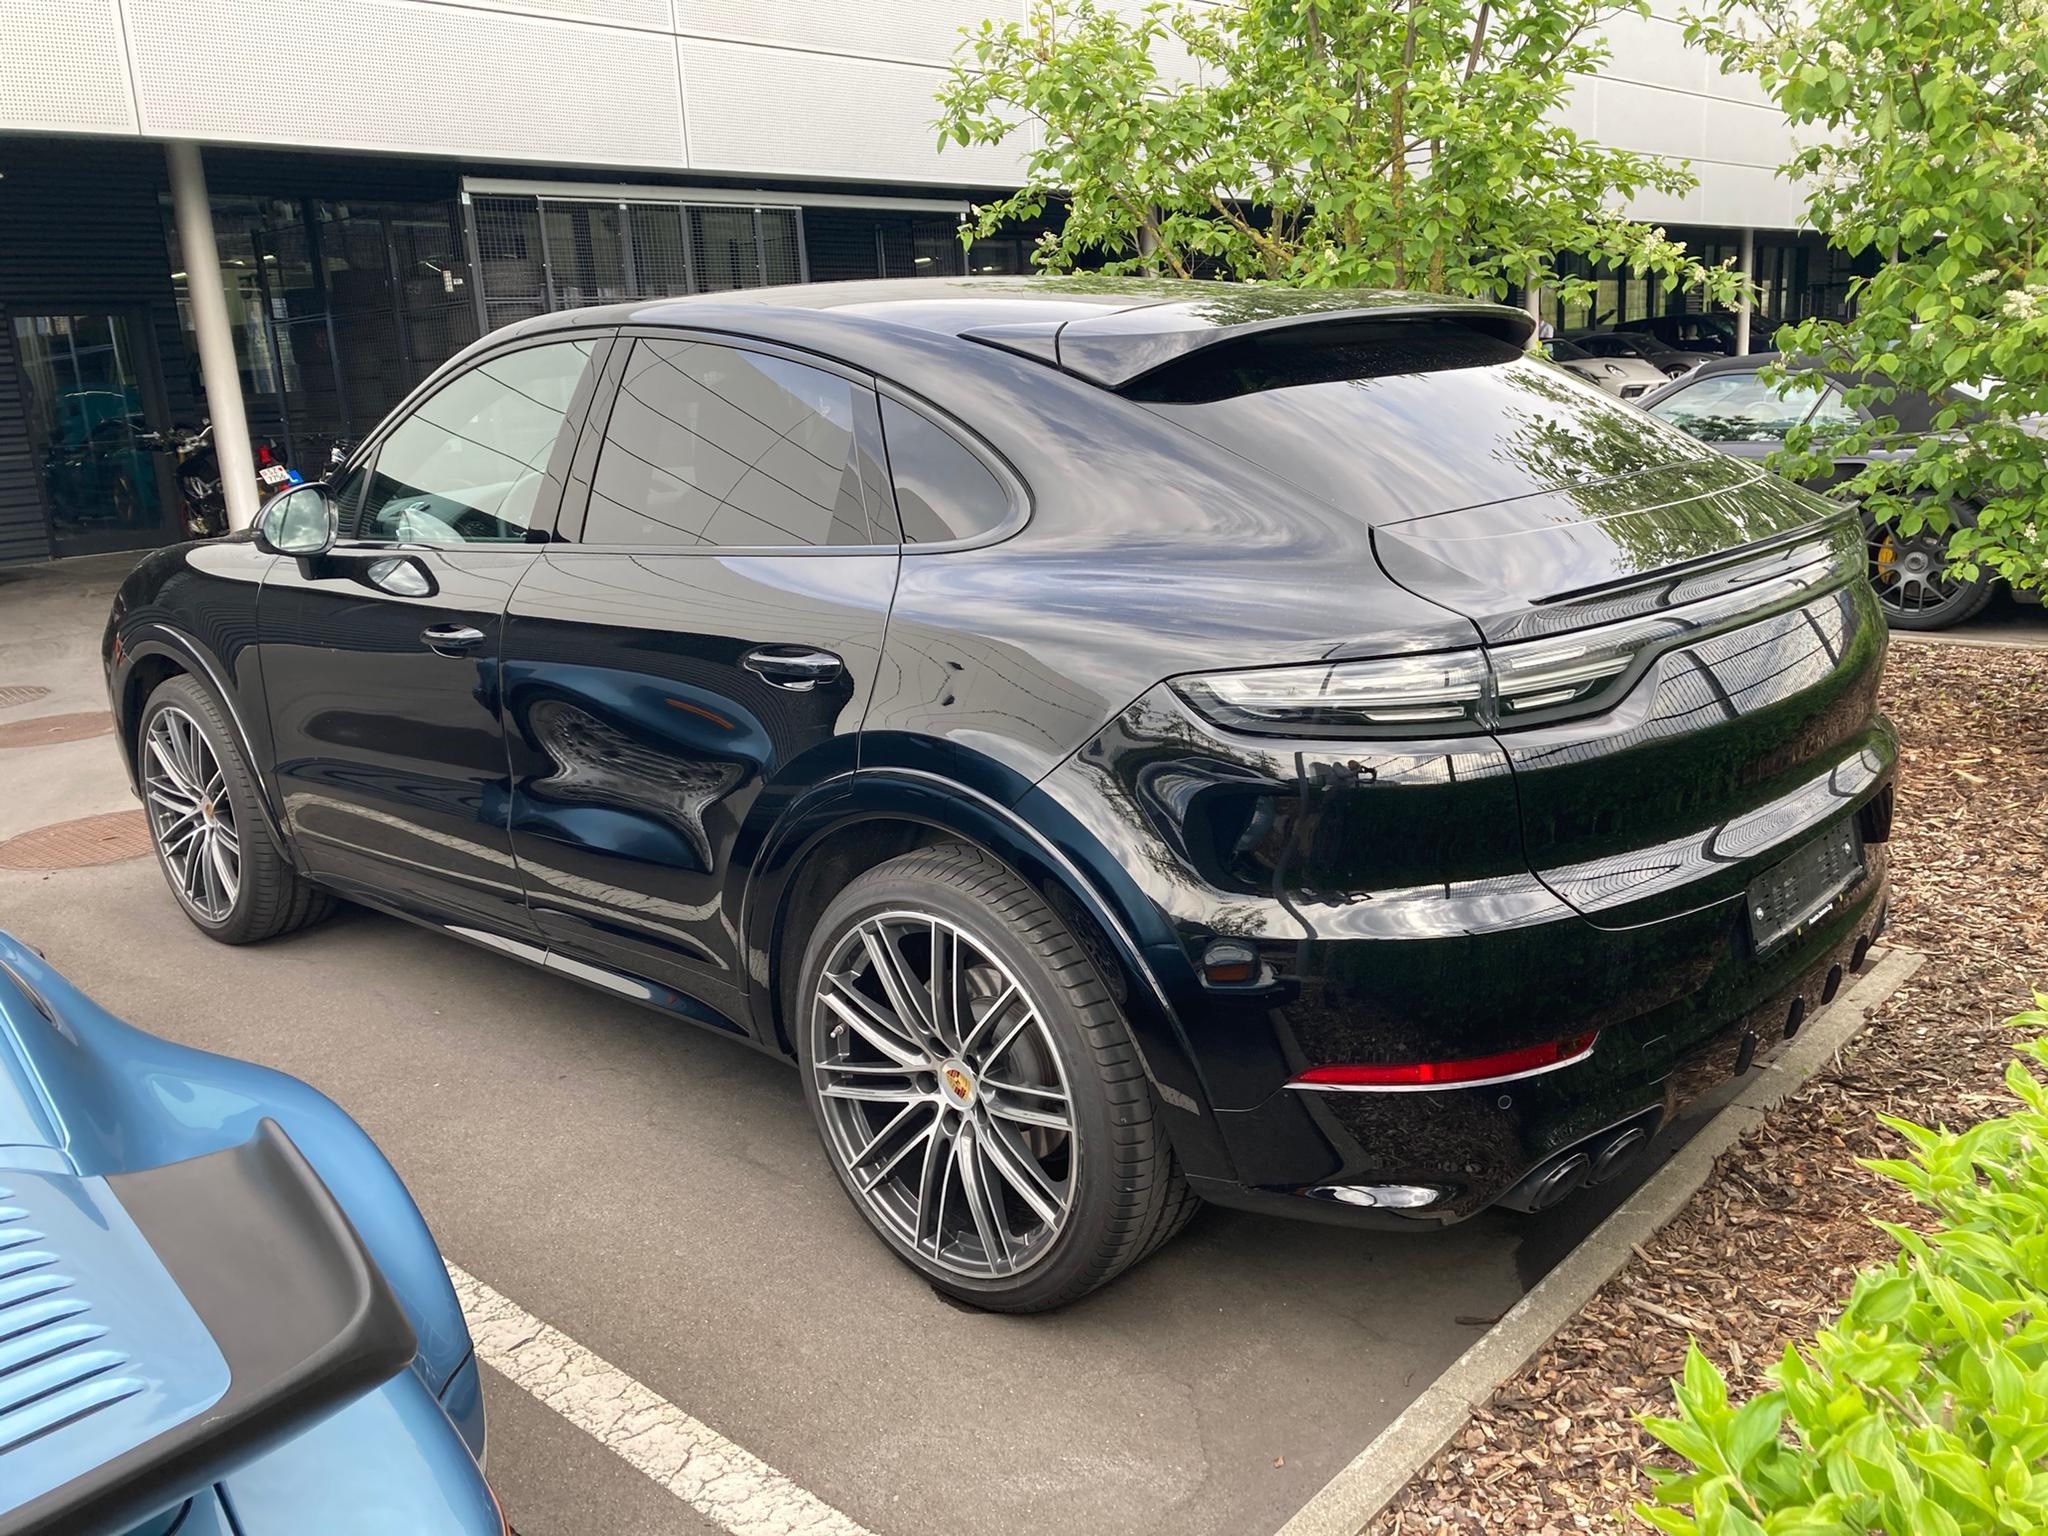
[273, 474]
[1798, 892]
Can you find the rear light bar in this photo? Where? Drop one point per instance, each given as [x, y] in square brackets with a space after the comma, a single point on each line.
[1471, 1072]
[1473, 691]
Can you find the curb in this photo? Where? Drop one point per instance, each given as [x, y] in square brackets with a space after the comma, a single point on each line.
[2025, 641]
[1377, 1474]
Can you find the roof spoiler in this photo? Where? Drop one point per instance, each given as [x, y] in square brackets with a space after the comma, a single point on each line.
[1119, 348]
[301, 1317]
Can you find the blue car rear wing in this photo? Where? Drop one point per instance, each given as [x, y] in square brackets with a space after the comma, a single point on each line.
[159, 1328]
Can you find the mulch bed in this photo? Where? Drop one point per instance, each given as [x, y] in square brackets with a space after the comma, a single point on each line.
[1765, 1252]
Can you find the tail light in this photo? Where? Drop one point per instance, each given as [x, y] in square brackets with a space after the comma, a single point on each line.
[1471, 692]
[1466, 1072]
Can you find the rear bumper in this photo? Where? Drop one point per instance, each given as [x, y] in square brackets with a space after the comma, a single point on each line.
[1312, 1154]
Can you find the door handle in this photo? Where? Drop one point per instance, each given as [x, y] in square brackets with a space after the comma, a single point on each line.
[452, 639]
[794, 667]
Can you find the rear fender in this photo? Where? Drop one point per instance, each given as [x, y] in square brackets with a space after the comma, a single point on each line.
[1038, 838]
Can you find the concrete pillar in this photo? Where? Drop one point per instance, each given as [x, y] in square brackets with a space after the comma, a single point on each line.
[194, 216]
[1745, 263]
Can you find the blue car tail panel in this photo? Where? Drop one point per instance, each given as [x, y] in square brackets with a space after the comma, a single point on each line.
[99, 1350]
[388, 1464]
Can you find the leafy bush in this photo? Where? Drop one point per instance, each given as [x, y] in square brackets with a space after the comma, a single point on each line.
[1923, 1409]
[1924, 150]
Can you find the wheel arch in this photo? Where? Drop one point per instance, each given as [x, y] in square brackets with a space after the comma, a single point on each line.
[150, 656]
[874, 815]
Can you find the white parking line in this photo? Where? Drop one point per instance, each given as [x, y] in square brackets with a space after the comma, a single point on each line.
[732, 1488]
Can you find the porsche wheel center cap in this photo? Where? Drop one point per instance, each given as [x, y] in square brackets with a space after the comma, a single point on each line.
[957, 1083]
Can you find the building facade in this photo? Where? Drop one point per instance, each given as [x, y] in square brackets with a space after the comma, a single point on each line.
[385, 180]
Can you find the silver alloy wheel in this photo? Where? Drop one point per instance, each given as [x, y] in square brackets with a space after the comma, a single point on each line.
[943, 1096]
[190, 814]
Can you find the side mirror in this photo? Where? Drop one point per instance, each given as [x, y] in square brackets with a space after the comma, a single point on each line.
[300, 523]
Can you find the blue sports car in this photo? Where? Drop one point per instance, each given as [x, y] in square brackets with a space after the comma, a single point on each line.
[221, 1314]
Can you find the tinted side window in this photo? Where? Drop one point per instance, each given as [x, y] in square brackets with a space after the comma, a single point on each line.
[943, 491]
[471, 464]
[1834, 416]
[1734, 408]
[709, 445]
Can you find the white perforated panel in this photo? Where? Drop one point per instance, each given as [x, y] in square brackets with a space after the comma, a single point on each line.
[400, 75]
[782, 112]
[897, 29]
[653, 14]
[1651, 51]
[1740, 194]
[61, 68]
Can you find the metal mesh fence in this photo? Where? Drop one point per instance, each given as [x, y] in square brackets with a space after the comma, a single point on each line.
[537, 254]
[727, 254]
[510, 270]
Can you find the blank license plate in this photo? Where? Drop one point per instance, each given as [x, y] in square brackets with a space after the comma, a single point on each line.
[1791, 896]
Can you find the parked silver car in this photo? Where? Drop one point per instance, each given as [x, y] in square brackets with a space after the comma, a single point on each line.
[1629, 378]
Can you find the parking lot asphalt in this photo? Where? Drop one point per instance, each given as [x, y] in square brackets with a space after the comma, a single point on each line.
[658, 1195]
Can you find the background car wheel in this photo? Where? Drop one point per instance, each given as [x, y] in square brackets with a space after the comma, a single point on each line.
[976, 1085]
[1913, 584]
[215, 849]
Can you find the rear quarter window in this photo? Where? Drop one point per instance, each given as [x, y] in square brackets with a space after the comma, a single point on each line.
[945, 492]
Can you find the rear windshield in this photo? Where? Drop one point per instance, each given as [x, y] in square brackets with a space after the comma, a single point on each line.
[1403, 418]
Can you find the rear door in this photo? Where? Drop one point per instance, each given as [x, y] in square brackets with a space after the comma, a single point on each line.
[696, 649]
[380, 661]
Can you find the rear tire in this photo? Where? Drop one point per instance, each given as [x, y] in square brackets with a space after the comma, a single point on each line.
[996, 1130]
[1913, 584]
[207, 826]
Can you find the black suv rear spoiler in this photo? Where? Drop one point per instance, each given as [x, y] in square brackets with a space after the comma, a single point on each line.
[298, 1309]
[1118, 348]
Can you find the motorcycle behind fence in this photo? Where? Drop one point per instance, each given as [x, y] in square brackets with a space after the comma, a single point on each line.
[199, 476]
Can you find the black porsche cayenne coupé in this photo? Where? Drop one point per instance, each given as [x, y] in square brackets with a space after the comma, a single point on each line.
[1130, 744]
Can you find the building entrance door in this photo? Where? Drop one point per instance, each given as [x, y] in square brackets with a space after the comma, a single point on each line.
[93, 407]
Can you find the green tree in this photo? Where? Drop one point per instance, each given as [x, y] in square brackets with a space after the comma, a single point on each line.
[1322, 143]
[1927, 128]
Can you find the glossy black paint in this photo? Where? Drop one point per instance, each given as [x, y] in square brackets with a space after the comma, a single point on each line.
[606, 785]
[389, 757]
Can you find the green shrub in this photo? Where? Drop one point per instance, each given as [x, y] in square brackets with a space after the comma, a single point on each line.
[1923, 1409]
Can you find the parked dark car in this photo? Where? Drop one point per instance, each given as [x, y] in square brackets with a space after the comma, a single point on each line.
[1672, 362]
[1130, 743]
[1712, 333]
[1728, 404]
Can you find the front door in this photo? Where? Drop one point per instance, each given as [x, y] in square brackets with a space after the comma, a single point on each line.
[381, 660]
[699, 648]
[93, 406]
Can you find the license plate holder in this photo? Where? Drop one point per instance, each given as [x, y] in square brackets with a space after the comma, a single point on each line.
[1795, 893]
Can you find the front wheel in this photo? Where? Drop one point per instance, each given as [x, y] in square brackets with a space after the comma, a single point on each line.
[234, 882]
[976, 1085]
